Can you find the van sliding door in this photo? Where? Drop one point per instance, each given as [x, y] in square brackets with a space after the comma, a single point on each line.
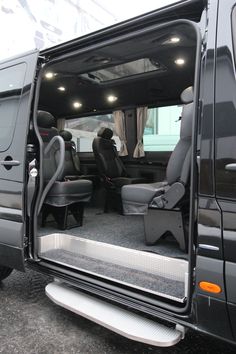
[16, 90]
[225, 145]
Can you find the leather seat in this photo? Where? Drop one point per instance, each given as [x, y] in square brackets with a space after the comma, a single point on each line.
[64, 196]
[71, 170]
[138, 199]
[110, 166]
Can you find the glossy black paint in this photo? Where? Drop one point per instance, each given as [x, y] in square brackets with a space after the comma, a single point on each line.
[209, 241]
[217, 104]
[15, 107]
[232, 314]
[212, 317]
[225, 143]
[209, 212]
[206, 113]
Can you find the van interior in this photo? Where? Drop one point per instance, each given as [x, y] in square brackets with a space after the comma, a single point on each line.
[114, 131]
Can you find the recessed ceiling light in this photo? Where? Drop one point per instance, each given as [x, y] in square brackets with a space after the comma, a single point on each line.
[49, 75]
[77, 104]
[180, 61]
[94, 110]
[61, 88]
[174, 39]
[111, 98]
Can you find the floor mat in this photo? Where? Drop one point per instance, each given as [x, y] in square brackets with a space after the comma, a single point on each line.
[120, 230]
[169, 288]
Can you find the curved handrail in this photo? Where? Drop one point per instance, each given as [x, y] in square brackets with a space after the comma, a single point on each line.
[59, 167]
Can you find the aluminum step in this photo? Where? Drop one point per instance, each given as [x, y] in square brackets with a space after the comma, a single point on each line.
[121, 321]
[160, 275]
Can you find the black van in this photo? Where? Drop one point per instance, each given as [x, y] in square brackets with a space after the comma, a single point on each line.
[135, 221]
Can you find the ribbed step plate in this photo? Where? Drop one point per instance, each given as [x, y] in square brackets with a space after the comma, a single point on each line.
[121, 321]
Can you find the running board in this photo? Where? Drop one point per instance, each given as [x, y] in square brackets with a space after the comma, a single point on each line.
[121, 321]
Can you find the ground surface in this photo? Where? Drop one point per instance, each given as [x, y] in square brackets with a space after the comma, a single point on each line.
[32, 324]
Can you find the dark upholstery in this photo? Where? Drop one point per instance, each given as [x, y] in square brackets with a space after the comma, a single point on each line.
[46, 120]
[72, 163]
[105, 133]
[138, 198]
[71, 169]
[108, 162]
[66, 135]
[63, 193]
[110, 166]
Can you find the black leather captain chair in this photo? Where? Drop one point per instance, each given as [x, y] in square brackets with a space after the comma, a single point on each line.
[110, 166]
[72, 170]
[65, 196]
[165, 204]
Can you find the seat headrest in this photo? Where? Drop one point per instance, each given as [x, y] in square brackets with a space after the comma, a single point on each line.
[66, 135]
[187, 95]
[45, 120]
[105, 133]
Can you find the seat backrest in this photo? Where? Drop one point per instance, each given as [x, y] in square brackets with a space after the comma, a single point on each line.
[108, 162]
[46, 124]
[72, 163]
[178, 167]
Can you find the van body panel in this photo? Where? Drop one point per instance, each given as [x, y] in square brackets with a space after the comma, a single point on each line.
[210, 270]
[225, 142]
[10, 231]
[206, 114]
[16, 91]
[209, 228]
[212, 317]
[230, 270]
[215, 233]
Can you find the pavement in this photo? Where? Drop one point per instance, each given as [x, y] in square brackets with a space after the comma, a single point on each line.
[30, 323]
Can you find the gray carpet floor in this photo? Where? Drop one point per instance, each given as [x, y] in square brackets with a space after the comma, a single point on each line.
[116, 229]
[124, 231]
[130, 276]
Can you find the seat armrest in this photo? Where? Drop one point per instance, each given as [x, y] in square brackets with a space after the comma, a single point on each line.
[170, 198]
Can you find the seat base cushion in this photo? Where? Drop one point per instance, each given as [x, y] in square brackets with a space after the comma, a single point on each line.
[69, 192]
[136, 197]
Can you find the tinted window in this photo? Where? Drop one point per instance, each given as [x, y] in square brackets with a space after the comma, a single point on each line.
[11, 83]
[162, 129]
[85, 129]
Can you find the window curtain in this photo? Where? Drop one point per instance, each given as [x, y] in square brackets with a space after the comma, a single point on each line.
[120, 131]
[142, 115]
[61, 124]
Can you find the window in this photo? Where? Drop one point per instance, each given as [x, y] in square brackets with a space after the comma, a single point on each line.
[162, 129]
[85, 129]
[128, 69]
[11, 83]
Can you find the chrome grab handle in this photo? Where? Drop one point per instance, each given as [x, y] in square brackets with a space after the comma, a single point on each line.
[231, 167]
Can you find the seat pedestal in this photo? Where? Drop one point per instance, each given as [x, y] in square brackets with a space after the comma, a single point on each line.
[60, 214]
[159, 221]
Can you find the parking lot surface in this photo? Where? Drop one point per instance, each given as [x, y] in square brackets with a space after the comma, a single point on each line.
[32, 324]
